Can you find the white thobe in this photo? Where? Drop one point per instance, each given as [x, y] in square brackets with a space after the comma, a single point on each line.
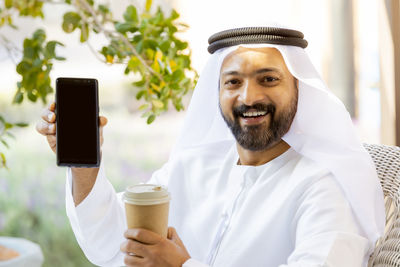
[287, 212]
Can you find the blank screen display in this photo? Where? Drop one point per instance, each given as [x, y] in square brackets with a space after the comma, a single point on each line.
[77, 126]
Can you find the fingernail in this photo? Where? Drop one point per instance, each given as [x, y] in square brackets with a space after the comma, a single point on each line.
[50, 116]
[51, 127]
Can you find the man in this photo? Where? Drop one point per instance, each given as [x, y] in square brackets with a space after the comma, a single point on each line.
[275, 177]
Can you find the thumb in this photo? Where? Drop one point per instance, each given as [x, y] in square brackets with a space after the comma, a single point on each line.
[173, 236]
[103, 121]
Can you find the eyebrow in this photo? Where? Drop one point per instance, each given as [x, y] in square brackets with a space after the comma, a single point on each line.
[263, 70]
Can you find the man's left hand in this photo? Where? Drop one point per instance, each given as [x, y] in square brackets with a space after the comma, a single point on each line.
[147, 249]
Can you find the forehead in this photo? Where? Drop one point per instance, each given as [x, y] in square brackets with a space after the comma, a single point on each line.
[245, 60]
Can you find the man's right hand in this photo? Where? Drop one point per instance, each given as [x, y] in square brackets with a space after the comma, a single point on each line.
[83, 179]
[47, 126]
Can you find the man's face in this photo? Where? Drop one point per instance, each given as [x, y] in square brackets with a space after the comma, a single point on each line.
[258, 96]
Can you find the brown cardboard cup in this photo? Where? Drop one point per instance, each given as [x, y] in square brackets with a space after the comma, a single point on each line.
[147, 206]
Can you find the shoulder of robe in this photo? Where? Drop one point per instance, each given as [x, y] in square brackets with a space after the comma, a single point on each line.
[308, 168]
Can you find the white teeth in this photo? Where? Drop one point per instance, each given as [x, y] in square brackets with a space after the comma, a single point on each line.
[254, 114]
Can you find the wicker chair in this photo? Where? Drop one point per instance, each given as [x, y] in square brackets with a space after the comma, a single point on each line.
[387, 162]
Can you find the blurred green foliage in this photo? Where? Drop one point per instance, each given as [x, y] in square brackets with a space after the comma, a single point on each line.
[32, 204]
[5, 134]
[35, 68]
[145, 43]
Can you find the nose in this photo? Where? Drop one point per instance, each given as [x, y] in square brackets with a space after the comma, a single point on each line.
[250, 94]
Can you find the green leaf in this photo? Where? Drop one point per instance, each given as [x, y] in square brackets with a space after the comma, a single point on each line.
[143, 107]
[164, 46]
[84, 33]
[174, 15]
[140, 94]
[181, 45]
[8, 3]
[5, 144]
[21, 124]
[50, 49]
[150, 119]
[177, 75]
[39, 35]
[133, 63]
[32, 97]
[139, 83]
[131, 14]
[8, 125]
[126, 27]
[19, 96]
[148, 43]
[104, 9]
[71, 21]
[3, 159]
[23, 67]
[148, 5]
[157, 103]
[175, 86]
[139, 46]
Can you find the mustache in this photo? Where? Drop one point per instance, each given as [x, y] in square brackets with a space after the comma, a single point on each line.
[239, 110]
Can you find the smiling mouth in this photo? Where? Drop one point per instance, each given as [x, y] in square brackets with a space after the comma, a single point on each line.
[253, 117]
[253, 114]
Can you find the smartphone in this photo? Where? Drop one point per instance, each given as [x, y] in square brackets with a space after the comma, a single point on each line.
[77, 122]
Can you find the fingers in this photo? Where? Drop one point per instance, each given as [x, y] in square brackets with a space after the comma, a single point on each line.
[170, 233]
[48, 113]
[47, 125]
[52, 140]
[133, 261]
[143, 236]
[103, 121]
[48, 116]
[134, 248]
[173, 236]
[52, 106]
[46, 128]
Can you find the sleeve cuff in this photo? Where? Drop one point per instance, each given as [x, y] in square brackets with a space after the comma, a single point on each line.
[194, 263]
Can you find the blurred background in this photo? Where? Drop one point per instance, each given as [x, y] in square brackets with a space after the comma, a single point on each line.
[354, 44]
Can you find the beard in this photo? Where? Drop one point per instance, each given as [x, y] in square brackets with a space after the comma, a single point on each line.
[261, 137]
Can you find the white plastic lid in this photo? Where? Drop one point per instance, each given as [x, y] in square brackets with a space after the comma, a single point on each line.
[146, 194]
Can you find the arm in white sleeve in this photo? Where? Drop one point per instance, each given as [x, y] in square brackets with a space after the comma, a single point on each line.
[327, 233]
[98, 222]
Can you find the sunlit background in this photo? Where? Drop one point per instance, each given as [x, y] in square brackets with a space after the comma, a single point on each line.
[349, 43]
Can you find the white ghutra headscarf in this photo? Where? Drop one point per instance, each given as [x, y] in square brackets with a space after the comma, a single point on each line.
[321, 130]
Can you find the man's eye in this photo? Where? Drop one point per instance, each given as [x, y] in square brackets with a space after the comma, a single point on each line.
[232, 82]
[269, 79]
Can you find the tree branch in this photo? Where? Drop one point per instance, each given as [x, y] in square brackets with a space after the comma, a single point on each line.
[11, 48]
[99, 27]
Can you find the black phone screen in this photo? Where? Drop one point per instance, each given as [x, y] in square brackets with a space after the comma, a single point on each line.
[77, 129]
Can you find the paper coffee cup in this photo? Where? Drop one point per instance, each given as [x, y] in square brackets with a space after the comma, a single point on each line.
[147, 206]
